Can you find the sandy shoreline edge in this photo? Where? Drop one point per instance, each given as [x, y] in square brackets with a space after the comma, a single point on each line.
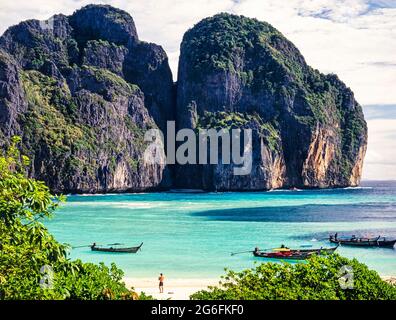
[174, 289]
[181, 289]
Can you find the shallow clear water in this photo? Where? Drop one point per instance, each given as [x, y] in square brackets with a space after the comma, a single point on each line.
[192, 235]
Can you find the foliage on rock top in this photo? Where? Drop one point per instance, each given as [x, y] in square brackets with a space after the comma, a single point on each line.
[238, 120]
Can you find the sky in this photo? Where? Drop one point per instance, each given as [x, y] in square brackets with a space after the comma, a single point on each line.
[355, 39]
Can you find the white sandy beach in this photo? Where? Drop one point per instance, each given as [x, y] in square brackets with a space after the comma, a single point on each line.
[390, 279]
[174, 289]
[181, 289]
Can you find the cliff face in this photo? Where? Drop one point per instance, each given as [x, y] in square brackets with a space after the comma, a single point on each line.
[82, 90]
[70, 88]
[308, 130]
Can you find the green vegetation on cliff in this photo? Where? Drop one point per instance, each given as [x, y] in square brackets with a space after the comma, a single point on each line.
[53, 120]
[231, 62]
[221, 42]
[237, 120]
[50, 112]
[213, 41]
[110, 79]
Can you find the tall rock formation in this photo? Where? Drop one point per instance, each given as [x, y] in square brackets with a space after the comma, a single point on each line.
[308, 130]
[81, 91]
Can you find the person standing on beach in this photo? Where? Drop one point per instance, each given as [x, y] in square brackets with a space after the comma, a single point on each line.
[161, 283]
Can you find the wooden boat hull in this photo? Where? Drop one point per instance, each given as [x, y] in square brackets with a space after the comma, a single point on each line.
[282, 257]
[365, 243]
[117, 250]
[302, 254]
[318, 251]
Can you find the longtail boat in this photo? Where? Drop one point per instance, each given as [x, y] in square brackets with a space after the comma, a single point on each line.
[292, 254]
[95, 247]
[363, 242]
[316, 251]
[282, 255]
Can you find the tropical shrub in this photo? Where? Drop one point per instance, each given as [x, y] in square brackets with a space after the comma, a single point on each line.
[318, 279]
[33, 265]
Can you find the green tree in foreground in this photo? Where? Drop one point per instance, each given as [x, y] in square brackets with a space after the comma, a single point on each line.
[33, 265]
[318, 279]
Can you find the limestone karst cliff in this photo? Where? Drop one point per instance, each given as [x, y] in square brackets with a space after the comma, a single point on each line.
[81, 91]
[308, 130]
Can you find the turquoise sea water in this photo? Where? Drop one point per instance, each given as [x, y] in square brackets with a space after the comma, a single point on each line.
[189, 235]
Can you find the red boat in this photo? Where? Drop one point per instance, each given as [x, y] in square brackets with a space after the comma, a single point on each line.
[292, 254]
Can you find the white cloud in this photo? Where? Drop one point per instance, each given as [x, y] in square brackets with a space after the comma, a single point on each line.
[380, 161]
[354, 38]
[165, 22]
[344, 37]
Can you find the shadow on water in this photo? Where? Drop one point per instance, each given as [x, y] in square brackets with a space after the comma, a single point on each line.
[306, 213]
